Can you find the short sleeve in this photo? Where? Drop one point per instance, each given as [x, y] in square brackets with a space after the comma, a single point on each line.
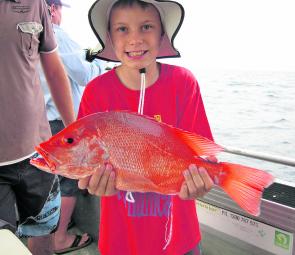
[47, 38]
[191, 112]
[88, 104]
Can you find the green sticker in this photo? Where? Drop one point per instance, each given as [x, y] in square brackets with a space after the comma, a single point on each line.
[282, 240]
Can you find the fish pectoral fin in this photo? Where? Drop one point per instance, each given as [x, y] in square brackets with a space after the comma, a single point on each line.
[134, 182]
[202, 146]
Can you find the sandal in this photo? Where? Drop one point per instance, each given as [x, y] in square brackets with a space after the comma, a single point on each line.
[75, 245]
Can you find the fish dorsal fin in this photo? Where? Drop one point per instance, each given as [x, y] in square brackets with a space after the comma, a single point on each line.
[202, 146]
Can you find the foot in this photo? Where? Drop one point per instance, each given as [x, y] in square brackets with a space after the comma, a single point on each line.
[71, 243]
[71, 224]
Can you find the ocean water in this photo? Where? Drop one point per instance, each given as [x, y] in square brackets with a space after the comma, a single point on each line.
[255, 111]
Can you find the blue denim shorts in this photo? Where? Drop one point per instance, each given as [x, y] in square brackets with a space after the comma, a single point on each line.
[29, 200]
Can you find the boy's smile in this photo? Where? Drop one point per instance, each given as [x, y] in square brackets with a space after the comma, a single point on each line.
[136, 35]
[136, 54]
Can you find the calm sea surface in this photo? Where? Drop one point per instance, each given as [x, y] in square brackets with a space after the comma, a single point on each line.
[254, 111]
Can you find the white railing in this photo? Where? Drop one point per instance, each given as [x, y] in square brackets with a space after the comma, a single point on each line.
[261, 156]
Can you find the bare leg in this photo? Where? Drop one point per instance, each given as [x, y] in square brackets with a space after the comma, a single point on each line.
[62, 239]
[41, 245]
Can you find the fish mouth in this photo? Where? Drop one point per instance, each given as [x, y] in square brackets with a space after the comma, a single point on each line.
[47, 162]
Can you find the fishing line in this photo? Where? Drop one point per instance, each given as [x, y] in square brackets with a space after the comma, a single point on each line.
[129, 197]
[168, 233]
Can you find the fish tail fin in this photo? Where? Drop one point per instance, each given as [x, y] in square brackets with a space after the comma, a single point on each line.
[245, 185]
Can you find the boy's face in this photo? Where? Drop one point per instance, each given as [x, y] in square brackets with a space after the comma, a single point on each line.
[136, 35]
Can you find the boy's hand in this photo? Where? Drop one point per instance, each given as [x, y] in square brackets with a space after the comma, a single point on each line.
[197, 183]
[101, 183]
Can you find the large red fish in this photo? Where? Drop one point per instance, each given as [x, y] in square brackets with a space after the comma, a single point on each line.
[147, 156]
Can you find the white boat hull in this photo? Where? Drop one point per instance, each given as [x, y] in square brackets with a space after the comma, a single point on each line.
[226, 229]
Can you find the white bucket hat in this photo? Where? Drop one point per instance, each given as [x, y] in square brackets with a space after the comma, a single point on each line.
[172, 15]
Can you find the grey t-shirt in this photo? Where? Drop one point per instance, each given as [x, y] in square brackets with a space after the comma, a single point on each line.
[25, 32]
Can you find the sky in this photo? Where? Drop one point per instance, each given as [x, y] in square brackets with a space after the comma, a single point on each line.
[218, 34]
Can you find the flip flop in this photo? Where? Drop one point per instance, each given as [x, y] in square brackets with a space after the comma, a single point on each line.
[75, 245]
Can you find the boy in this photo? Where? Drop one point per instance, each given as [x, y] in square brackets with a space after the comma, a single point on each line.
[136, 33]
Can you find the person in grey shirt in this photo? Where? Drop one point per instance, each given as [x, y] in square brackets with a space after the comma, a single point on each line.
[26, 39]
[80, 70]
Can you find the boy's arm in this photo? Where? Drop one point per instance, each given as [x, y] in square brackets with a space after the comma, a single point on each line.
[193, 118]
[102, 182]
[59, 86]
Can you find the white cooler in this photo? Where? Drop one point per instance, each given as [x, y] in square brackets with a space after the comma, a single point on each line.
[10, 244]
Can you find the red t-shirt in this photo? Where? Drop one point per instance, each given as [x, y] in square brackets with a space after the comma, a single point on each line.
[145, 226]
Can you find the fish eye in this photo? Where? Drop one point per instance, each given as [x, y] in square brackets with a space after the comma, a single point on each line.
[69, 140]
